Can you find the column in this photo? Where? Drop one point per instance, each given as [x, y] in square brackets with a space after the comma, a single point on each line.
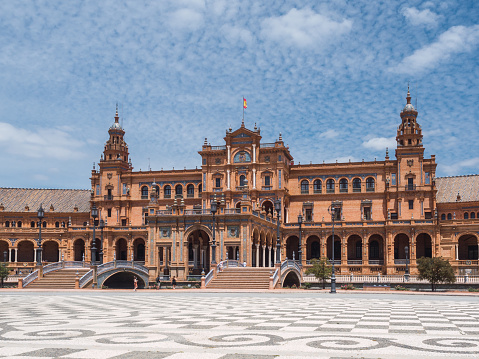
[257, 255]
[228, 179]
[254, 153]
[16, 254]
[271, 254]
[202, 258]
[195, 256]
[229, 154]
[254, 178]
[274, 255]
[264, 255]
[365, 252]
[9, 254]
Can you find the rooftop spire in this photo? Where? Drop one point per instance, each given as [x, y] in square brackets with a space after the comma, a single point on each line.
[408, 97]
[116, 114]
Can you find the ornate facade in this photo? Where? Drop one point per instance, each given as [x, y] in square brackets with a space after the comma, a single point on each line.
[390, 210]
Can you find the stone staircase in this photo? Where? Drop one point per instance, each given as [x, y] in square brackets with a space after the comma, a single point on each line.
[242, 278]
[60, 279]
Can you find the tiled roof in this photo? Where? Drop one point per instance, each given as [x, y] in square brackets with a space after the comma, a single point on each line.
[449, 187]
[63, 200]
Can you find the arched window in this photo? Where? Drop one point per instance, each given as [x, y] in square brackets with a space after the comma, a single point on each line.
[359, 250]
[343, 185]
[57, 224]
[369, 184]
[190, 191]
[304, 187]
[357, 185]
[179, 190]
[330, 186]
[19, 223]
[157, 190]
[144, 192]
[242, 180]
[200, 189]
[443, 217]
[167, 191]
[466, 215]
[44, 224]
[315, 249]
[32, 224]
[374, 250]
[7, 224]
[473, 215]
[317, 186]
[449, 216]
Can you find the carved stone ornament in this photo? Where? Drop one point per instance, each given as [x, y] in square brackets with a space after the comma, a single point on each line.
[410, 163]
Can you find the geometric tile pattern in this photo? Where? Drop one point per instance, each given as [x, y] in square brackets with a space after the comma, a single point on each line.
[178, 325]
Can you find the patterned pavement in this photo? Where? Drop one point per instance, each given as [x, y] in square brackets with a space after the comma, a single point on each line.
[180, 325]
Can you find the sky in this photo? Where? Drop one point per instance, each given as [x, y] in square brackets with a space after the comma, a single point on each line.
[330, 76]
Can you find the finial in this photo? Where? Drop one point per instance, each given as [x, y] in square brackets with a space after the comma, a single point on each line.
[93, 166]
[408, 97]
[242, 123]
[231, 130]
[255, 128]
[280, 137]
[206, 142]
[387, 152]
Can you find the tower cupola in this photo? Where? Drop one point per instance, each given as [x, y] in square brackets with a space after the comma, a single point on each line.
[116, 149]
[409, 132]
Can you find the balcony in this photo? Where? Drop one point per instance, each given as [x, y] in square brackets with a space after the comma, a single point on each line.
[376, 262]
[410, 187]
[218, 148]
[370, 189]
[108, 197]
[329, 190]
[357, 189]
[218, 189]
[343, 190]
[267, 188]
[355, 262]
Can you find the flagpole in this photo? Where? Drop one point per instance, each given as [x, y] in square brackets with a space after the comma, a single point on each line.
[243, 109]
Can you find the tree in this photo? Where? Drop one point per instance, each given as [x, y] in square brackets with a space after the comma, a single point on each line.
[320, 269]
[4, 271]
[435, 270]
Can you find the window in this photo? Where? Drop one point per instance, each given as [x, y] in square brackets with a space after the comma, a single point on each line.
[217, 182]
[359, 250]
[267, 180]
[343, 185]
[242, 180]
[57, 224]
[357, 185]
[109, 212]
[367, 213]
[144, 192]
[443, 217]
[190, 191]
[393, 179]
[179, 190]
[370, 184]
[308, 214]
[97, 189]
[279, 158]
[428, 215]
[374, 250]
[44, 225]
[337, 213]
[427, 179]
[317, 186]
[204, 161]
[124, 188]
[466, 215]
[7, 224]
[330, 186]
[449, 216]
[411, 204]
[167, 191]
[200, 188]
[146, 218]
[473, 215]
[394, 215]
[304, 187]
[19, 223]
[32, 224]
[123, 222]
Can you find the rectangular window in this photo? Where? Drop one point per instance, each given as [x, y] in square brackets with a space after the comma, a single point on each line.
[393, 179]
[123, 222]
[428, 215]
[309, 214]
[279, 158]
[411, 204]
[279, 179]
[204, 161]
[394, 215]
[217, 182]
[367, 213]
[109, 212]
[427, 179]
[124, 188]
[97, 189]
[146, 218]
[267, 181]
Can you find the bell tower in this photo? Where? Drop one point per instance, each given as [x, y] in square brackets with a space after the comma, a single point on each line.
[409, 133]
[115, 153]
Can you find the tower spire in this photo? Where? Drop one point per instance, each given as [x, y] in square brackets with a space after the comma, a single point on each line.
[408, 97]
[116, 114]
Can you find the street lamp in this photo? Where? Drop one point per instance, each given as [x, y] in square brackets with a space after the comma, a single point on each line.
[40, 215]
[277, 207]
[214, 208]
[300, 221]
[94, 214]
[333, 211]
[102, 225]
[406, 273]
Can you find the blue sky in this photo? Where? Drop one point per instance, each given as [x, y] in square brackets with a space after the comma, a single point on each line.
[331, 76]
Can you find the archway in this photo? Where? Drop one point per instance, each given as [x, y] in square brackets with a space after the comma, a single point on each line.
[123, 280]
[291, 280]
[198, 241]
[355, 248]
[401, 241]
[292, 247]
[26, 252]
[3, 250]
[78, 250]
[468, 247]
[139, 250]
[337, 248]
[121, 250]
[50, 251]
[423, 246]
[313, 248]
[376, 249]
[268, 206]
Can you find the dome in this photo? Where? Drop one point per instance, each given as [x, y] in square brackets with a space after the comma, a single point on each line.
[408, 107]
[116, 126]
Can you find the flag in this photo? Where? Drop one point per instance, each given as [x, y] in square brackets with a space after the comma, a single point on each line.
[244, 103]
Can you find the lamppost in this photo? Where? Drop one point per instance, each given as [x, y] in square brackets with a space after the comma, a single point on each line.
[300, 221]
[214, 208]
[406, 273]
[102, 225]
[40, 215]
[333, 209]
[277, 207]
[94, 214]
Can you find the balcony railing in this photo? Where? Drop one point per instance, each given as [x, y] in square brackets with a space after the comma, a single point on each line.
[370, 189]
[108, 198]
[356, 189]
[264, 145]
[376, 262]
[218, 148]
[410, 187]
[343, 190]
[267, 188]
[329, 190]
[355, 262]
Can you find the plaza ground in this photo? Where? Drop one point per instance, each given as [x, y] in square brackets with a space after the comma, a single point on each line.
[205, 324]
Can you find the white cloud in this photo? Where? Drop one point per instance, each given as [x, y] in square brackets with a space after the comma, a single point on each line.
[380, 143]
[303, 28]
[421, 17]
[46, 143]
[234, 34]
[186, 19]
[453, 169]
[455, 40]
[329, 134]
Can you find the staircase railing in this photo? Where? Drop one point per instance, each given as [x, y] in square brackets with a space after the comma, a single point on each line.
[64, 264]
[29, 278]
[275, 277]
[290, 263]
[86, 278]
[209, 277]
[102, 268]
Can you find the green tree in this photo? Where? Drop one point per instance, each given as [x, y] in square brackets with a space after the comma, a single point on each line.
[4, 271]
[435, 270]
[320, 269]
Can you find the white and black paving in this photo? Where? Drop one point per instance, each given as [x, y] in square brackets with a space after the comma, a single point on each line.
[181, 325]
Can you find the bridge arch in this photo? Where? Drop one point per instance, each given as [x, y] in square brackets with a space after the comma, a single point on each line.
[291, 278]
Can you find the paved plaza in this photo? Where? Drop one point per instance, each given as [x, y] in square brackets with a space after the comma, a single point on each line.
[193, 324]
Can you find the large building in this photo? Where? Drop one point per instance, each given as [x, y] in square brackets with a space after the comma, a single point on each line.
[389, 210]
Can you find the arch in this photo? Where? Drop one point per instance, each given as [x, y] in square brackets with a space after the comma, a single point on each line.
[343, 185]
[466, 215]
[317, 186]
[26, 251]
[50, 251]
[313, 247]
[198, 239]
[292, 247]
[167, 191]
[304, 187]
[357, 184]
[179, 190]
[123, 280]
[423, 246]
[449, 216]
[401, 241]
[370, 184]
[121, 249]
[32, 224]
[330, 186]
[57, 224]
[19, 224]
[443, 217]
[4, 248]
[242, 157]
[139, 250]
[468, 247]
[267, 205]
[376, 248]
[78, 249]
[190, 191]
[355, 247]
[7, 224]
[337, 248]
[292, 279]
[144, 192]
[473, 215]
[242, 180]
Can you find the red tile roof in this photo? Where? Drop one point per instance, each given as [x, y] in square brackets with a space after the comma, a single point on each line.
[449, 187]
